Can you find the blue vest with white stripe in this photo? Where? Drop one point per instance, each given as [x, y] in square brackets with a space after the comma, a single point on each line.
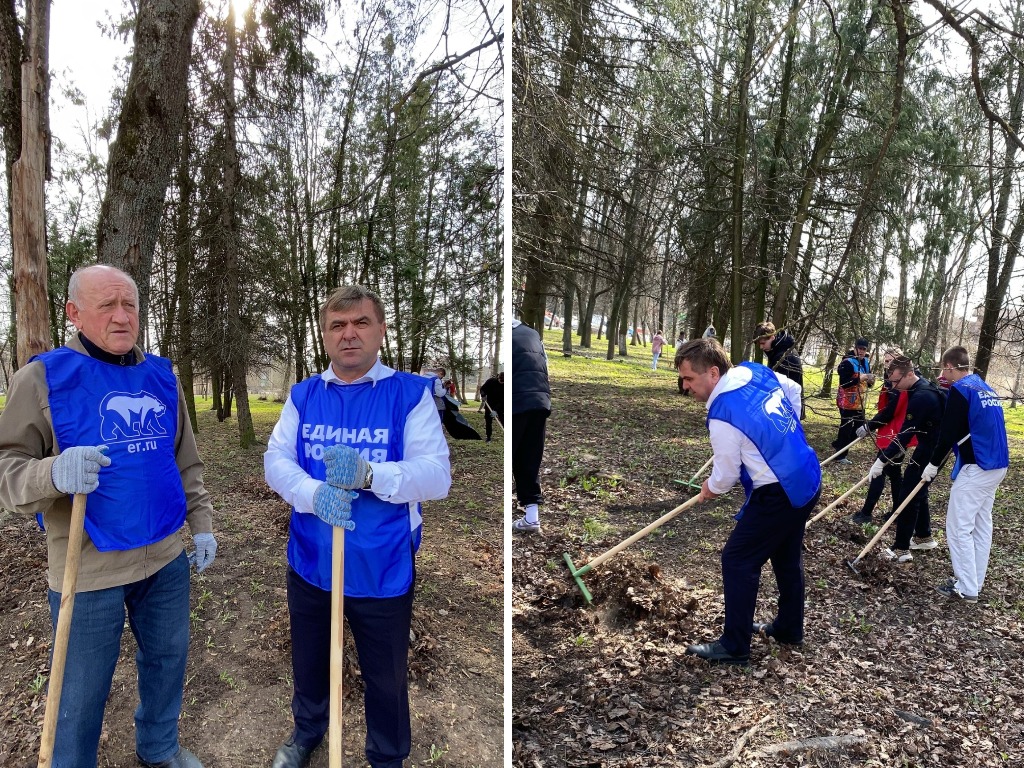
[987, 423]
[133, 409]
[369, 416]
[762, 412]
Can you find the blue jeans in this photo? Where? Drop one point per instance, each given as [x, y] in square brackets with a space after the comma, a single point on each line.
[157, 610]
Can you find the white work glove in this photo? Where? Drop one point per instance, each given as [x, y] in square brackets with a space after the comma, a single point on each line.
[206, 550]
[77, 470]
[929, 472]
[876, 469]
[863, 430]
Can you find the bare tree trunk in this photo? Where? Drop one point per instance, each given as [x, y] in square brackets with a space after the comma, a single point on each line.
[238, 346]
[141, 159]
[27, 199]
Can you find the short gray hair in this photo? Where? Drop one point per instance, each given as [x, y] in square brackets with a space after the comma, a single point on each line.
[74, 284]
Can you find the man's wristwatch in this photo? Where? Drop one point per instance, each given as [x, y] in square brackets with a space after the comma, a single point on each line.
[369, 478]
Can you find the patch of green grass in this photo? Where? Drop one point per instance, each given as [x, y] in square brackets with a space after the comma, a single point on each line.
[594, 529]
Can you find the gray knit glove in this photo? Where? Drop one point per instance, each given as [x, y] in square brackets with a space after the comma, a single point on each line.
[77, 470]
[345, 467]
[206, 550]
[334, 506]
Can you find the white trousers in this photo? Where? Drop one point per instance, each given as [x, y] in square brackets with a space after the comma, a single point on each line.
[969, 524]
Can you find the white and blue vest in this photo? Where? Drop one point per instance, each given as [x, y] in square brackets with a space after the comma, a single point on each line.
[133, 409]
[987, 423]
[762, 412]
[370, 417]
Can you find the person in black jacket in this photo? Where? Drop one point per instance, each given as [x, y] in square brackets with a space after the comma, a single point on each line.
[493, 393]
[531, 406]
[779, 349]
[925, 404]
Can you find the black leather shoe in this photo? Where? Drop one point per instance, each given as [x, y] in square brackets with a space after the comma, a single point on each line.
[860, 519]
[716, 654]
[292, 755]
[184, 759]
[769, 630]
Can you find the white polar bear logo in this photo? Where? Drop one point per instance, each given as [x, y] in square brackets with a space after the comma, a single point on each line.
[128, 416]
[779, 410]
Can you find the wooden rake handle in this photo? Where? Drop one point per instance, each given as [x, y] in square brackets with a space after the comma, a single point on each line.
[337, 644]
[832, 458]
[870, 545]
[829, 508]
[640, 534]
[60, 642]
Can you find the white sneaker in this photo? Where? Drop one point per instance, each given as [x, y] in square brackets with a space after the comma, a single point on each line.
[899, 555]
[525, 526]
[844, 461]
[925, 543]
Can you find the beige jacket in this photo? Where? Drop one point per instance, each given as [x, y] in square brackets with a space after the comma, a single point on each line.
[27, 451]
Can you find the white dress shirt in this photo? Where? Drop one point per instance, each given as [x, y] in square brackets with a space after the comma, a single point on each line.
[733, 449]
[423, 474]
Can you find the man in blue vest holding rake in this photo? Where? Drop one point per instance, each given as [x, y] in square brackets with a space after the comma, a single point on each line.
[357, 446]
[753, 421]
[973, 411]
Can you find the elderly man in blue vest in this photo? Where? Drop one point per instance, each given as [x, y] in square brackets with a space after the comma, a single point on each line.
[359, 446]
[99, 417]
[972, 426]
[757, 440]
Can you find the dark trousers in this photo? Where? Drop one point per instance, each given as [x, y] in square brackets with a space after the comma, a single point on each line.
[848, 423]
[489, 417]
[895, 474]
[380, 628]
[916, 518]
[771, 529]
[528, 429]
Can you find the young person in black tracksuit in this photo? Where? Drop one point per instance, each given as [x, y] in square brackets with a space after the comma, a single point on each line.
[925, 404]
[886, 424]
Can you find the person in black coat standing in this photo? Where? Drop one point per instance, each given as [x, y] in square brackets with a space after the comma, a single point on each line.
[531, 406]
[493, 393]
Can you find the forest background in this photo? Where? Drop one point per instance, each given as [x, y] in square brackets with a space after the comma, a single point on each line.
[252, 157]
[843, 169]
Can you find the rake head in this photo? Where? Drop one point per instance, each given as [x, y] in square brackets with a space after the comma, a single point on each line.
[576, 577]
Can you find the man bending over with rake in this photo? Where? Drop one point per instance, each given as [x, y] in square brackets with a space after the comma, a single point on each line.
[757, 440]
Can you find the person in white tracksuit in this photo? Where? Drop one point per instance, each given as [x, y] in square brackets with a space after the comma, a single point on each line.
[973, 411]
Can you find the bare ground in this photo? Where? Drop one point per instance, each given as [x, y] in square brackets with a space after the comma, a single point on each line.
[891, 673]
[238, 684]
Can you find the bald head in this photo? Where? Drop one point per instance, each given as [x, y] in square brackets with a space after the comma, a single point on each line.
[103, 303]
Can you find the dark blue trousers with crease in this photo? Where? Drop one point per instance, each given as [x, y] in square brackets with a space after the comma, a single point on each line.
[770, 530]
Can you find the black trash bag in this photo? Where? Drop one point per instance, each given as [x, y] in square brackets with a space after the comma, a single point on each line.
[456, 423]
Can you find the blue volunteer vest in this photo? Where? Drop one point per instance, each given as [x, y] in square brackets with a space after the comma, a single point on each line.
[762, 412]
[987, 424]
[861, 366]
[370, 417]
[133, 409]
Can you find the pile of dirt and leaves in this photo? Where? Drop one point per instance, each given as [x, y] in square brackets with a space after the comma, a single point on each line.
[890, 673]
[238, 683]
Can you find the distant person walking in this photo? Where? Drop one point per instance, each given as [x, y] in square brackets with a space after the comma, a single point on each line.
[531, 406]
[656, 345]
